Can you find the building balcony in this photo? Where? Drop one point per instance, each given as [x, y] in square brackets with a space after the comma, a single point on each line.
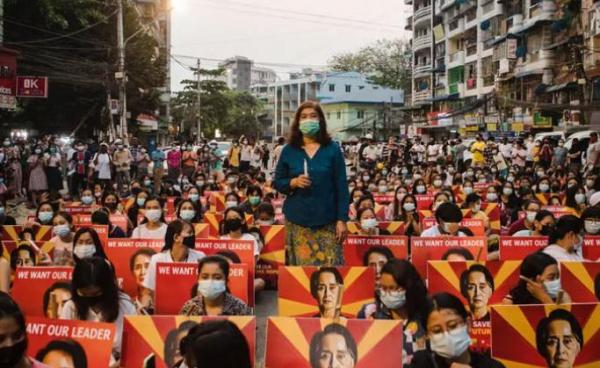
[544, 10]
[456, 88]
[514, 23]
[488, 80]
[471, 83]
[421, 97]
[409, 23]
[456, 59]
[421, 69]
[472, 49]
[422, 14]
[422, 42]
[456, 27]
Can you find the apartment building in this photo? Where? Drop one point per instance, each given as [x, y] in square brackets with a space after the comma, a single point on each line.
[241, 74]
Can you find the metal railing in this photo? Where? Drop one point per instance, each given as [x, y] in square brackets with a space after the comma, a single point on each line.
[423, 12]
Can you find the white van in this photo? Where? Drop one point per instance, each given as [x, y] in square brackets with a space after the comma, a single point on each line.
[553, 136]
[583, 136]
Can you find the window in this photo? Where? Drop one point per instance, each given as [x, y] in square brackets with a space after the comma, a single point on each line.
[361, 87]
[339, 115]
[328, 115]
[332, 88]
[360, 114]
[348, 88]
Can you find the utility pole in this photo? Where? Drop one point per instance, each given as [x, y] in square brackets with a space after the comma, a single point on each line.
[120, 75]
[198, 122]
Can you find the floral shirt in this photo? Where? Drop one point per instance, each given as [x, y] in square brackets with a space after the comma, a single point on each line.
[232, 306]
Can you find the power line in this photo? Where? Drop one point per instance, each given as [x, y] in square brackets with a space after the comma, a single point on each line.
[255, 62]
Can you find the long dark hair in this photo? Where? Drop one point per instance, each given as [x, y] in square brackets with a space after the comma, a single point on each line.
[407, 276]
[532, 266]
[96, 271]
[295, 136]
[10, 309]
[97, 244]
[134, 210]
[71, 347]
[175, 227]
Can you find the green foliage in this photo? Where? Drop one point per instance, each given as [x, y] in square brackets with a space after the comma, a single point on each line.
[386, 62]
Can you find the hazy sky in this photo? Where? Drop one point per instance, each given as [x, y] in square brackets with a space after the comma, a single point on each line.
[305, 32]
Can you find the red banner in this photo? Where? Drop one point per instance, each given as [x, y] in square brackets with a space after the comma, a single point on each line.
[153, 341]
[591, 247]
[432, 249]
[393, 227]
[384, 198]
[31, 285]
[424, 201]
[470, 282]
[272, 255]
[519, 247]
[117, 220]
[356, 246]
[290, 340]
[581, 280]
[516, 330]
[32, 87]
[475, 225]
[88, 342]
[169, 300]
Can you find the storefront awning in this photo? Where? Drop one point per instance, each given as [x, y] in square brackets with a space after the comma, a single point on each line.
[528, 73]
[453, 96]
[147, 122]
[559, 87]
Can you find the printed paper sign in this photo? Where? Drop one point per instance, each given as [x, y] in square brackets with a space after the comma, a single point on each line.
[169, 299]
[393, 227]
[130, 258]
[325, 292]
[424, 201]
[31, 288]
[11, 232]
[581, 280]
[546, 335]
[356, 246]
[77, 209]
[475, 225]
[591, 247]
[518, 247]
[272, 255]
[153, 341]
[86, 344]
[9, 245]
[369, 343]
[117, 220]
[383, 198]
[478, 285]
[433, 248]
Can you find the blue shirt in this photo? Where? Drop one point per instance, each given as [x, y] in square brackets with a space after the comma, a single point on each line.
[158, 156]
[327, 199]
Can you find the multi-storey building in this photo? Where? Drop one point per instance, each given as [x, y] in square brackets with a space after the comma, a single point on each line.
[241, 74]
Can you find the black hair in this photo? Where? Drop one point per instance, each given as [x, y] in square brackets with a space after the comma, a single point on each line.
[254, 189]
[67, 216]
[171, 341]
[29, 231]
[541, 331]
[565, 224]
[334, 328]
[142, 251]
[542, 214]
[134, 210]
[68, 346]
[230, 255]
[314, 278]
[365, 197]
[14, 255]
[459, 251]
[10, 309]
[363, 210]
[96, 271]
[472, 198]
[105, 195]
[95, 238]
[217, 343]
[65, 285]
[219, 260]
[100, 217]
[532, 266]
[406, 275]
[384, 251]
[590, 212]
[448, 212]
[464, 278]
[265, 207]
[175, 227]
[295, 135]
[443, 300]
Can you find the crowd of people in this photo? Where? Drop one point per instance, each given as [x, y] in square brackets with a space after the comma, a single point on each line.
[324, 186]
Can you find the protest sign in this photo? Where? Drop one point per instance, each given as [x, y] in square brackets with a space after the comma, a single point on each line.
[581, 280]
[433, 248]
[11, 232]
[591, 247]
[393, 227]
[518, 247]
[31, 287]
[272, 255]
[356, 246]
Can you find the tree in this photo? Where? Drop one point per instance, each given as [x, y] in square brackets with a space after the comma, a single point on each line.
[386, 62]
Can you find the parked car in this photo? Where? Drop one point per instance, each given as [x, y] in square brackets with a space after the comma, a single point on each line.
[583, 136]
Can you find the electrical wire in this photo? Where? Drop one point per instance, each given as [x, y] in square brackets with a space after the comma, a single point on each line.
[255, 62]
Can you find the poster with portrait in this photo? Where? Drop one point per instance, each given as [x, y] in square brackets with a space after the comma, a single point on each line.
[518, 247]
[11, 232]
[313, 342]
[581, 280]
[356, 246]
[115, 219]
[434, 248]
[153, 341]
[325, 292]
[9, 245]
[131, 258]
[546, 335]
[169, 299]
[424, 201]
[32, 287]
[244, 249]
[214, 220]
[70, 343]
[393, 227]
[77, 208]
[272, 255]
[591, 247]
[478, 285]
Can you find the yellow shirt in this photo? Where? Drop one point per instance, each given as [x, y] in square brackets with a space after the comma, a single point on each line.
[477, 149]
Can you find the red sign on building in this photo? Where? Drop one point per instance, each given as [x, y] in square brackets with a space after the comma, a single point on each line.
[8, 71]
[32, 87]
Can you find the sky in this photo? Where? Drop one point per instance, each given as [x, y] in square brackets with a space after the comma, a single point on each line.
[290, 32]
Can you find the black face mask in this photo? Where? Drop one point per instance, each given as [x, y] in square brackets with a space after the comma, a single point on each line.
[111, 205]
[135, 191]
[10, 356]
[546, 230]
[233, 225]
[190, 241]
[93, 300]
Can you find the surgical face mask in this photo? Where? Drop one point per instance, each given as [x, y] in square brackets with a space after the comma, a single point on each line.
[147, 183]
[84, 251]
[230, 204]
[62, 230]
[368, 224]
[211, 289]
[254, 200]
[510, 179]
[492, 197]
[264, 222]
[451, 344]
[383, 189]
[420, 188]
[393, 300]
[408, 182]
[187, 215]
[193, 197]
[580, 198]
[468, 190]
[153, 215]
[140, 201]
[417, 176]
[200, 183]
[366, 177]
[310, 127]
[591, 226]
[544, 187]
[231, 180]
[87, 200]
[476, 208]
[531, 216]
[507, 191]
[552, 287]
[404, 171]
[437, 183]
[45, 216]
[409, 206]
[589, 183]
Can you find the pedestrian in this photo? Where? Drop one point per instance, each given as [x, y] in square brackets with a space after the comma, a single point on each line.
[53, 161]
[189, 161]
[174, 162]
[38, 182]
[122, 160]
[158, 169]
[80, 161]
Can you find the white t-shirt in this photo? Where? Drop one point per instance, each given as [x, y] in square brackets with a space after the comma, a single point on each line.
[435, 231]
[561, 255]
[246, 236]
[165, 257]
[505, 149]
[142, 232]
[246, 153]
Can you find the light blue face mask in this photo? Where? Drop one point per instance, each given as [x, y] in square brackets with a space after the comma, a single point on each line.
[140, 201]
[87, 200]
[310, 127]
[187, 215]
[193, 197]
[451, 344]
[394, 300]
[62, 230]
[45, 216]
[211, 289]
[552, 287]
